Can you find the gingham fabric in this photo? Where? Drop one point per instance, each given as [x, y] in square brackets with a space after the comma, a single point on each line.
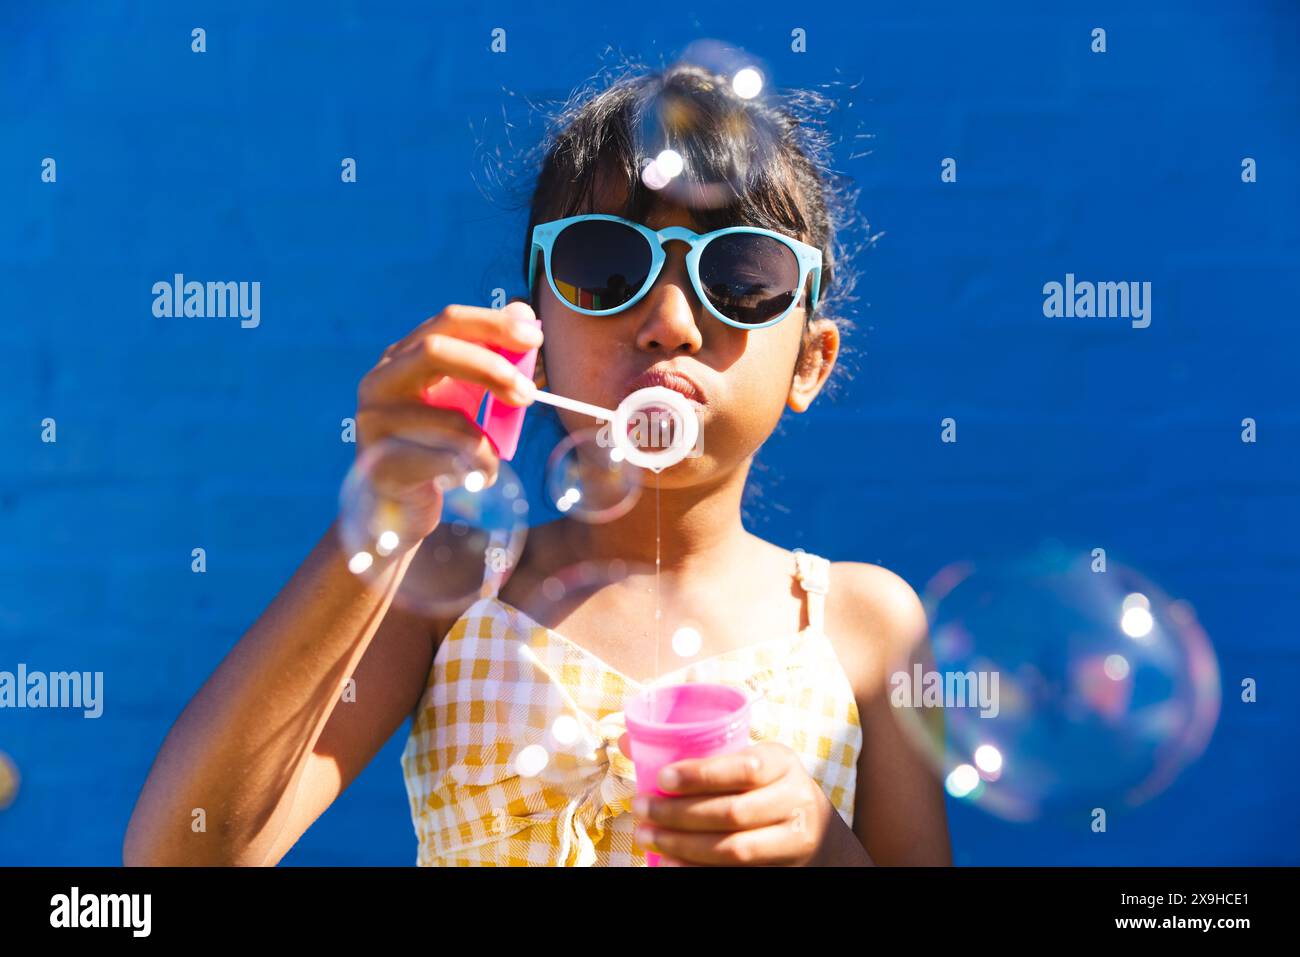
[513, 756]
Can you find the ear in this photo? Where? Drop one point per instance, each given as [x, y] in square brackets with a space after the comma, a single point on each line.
[821, 344]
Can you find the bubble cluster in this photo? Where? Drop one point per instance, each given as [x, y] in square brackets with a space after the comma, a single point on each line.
[1052, 688]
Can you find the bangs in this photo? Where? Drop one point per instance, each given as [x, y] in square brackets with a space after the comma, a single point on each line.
[735, 157]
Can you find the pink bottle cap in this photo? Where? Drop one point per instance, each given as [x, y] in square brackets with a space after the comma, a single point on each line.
[502, 423]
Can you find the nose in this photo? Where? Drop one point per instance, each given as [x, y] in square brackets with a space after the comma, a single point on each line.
[670, 322]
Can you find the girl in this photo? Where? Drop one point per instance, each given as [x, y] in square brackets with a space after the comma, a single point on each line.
[827, 779]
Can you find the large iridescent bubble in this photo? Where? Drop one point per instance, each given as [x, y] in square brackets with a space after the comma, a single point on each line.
[1056, 684]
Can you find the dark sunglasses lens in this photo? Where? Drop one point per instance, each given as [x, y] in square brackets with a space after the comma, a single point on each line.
[599, 264]
[749, 278]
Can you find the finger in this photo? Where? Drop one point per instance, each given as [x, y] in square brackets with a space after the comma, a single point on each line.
[441, 441]
[436, 356]
[513, 327]
[721, 812]
[775, 845]
[742, 770]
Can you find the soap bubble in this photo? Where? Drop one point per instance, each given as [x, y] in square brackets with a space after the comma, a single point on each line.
[1062, 689]
[550, 600]
[9, 779]
[686, 640]
[677, 138]
[589, 479]
[389, 503]
[553, 618]
[541, 613]
[670, 630]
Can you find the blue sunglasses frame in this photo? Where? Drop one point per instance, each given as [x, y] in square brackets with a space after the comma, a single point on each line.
[544, 236]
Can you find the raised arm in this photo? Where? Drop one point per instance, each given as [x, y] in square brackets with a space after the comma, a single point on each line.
[265, 745]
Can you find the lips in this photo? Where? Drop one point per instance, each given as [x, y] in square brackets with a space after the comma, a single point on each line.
[668, 379]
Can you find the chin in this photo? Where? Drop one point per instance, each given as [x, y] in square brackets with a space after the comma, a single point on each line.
[687, 472]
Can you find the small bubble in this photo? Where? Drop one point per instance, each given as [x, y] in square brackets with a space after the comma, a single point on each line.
[587, 482]
[566, 729]
[687, 641]
[531, 761]
[747, 83]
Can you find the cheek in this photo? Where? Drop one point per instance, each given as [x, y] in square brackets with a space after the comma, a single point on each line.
[576, 353]
[764, 371]
[762, 388]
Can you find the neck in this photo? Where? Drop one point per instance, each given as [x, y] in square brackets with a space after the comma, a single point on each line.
[697, 527]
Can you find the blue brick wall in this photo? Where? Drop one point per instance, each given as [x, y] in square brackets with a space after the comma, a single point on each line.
[176, 433]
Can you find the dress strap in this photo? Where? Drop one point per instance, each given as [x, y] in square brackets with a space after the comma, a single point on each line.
[814, 574]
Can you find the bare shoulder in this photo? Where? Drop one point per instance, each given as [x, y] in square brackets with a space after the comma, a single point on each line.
[879, 601]
[873, 617]
[899, 813]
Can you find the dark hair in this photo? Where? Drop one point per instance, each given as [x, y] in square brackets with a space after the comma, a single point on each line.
[771, 152]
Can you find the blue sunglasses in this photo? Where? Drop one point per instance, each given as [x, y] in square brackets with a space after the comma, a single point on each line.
[600, 265]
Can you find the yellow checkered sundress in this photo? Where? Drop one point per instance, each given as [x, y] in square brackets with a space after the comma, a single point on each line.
[513, 755]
